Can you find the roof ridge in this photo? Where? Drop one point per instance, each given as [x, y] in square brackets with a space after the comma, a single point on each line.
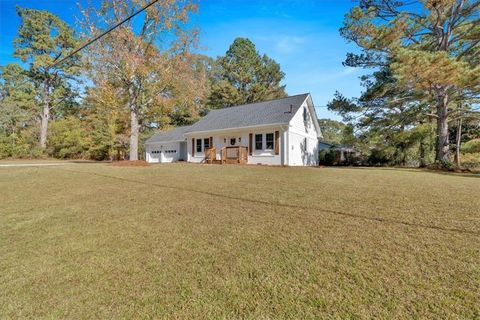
[173, 128]
[247, 104]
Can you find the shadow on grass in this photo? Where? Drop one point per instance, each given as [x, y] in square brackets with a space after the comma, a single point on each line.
[417, 170]
[291, 206]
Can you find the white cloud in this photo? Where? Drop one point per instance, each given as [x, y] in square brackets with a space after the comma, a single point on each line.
[289, 44]
[349, 70]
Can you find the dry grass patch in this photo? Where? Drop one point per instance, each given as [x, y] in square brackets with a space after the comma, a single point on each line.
[199, 241]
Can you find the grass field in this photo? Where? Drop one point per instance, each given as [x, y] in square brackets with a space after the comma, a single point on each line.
[198, 241]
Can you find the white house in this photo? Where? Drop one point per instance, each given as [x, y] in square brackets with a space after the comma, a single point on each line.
[167, 146]
[276, 132]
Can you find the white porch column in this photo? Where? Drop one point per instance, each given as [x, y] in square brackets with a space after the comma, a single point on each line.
[284, 144]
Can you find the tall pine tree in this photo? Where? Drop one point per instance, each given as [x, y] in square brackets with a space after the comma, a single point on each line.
[244, 76]
[432, 48]
[42, 38]
[16, 105]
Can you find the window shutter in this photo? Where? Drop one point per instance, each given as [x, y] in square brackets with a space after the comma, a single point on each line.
[211, 142]
[277, 142]
[250, 143]
[193, 147]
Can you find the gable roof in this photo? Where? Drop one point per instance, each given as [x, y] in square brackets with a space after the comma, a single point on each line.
[173, 135]
[279, 111]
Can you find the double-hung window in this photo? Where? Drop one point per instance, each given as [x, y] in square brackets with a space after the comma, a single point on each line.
[258, 141]
[269, 141]
[199, 145]
[206, 143]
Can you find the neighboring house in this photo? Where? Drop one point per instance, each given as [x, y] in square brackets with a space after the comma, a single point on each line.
[276, 132]
[342, 152]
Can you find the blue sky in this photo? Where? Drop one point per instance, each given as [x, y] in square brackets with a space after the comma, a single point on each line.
[301, 35]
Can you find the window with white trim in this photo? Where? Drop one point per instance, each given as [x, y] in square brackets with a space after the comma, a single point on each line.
[199, 145]
[259, 142]
[269, 141]
[206, 143]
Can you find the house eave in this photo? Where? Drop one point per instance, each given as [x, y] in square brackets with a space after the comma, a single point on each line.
[236, 128]
[311, 106]
[166, 141]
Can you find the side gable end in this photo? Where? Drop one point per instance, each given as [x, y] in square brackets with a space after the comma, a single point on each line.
[313, 114]
[305, 119]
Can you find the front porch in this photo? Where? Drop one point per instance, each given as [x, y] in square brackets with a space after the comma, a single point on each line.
[228, 155]
[249, 146]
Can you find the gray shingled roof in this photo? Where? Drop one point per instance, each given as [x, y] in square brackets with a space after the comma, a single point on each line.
[279, 111]
[253, 114]
[169, 136]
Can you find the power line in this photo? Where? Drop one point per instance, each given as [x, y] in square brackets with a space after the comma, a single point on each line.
[55, 62]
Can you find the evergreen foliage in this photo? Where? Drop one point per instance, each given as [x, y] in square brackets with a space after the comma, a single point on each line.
[243, 76]
[426, 61]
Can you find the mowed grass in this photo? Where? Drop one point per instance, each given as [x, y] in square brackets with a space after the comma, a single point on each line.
[187, 241]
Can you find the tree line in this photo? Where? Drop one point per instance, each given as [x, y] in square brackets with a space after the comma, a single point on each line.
[421, 97]
[419, 104]
[143, 76]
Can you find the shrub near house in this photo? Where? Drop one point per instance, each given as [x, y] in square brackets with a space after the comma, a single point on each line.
[470, 157]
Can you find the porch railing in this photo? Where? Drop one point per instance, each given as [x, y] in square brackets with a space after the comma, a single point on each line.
[210, 155]
[238, 154]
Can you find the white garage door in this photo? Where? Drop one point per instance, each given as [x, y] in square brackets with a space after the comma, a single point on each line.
[169, 155]
[154, 154]
[164, 153]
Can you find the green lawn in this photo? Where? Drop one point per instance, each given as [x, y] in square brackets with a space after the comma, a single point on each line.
[209, 241]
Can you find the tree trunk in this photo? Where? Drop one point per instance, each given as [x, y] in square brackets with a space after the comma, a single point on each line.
[133, 134]
[423, 161]
[457, 142]
[44, 117]
[404, 155]
[443, 148]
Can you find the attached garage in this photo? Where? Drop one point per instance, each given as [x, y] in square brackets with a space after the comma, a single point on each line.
[167, 146]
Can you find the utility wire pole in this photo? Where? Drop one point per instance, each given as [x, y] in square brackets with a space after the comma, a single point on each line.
[57, 62]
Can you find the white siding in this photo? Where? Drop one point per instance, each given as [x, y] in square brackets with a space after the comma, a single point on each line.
[199, 156]
[241, 136]
[265, 156]
[302, 131]
[298, 154]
